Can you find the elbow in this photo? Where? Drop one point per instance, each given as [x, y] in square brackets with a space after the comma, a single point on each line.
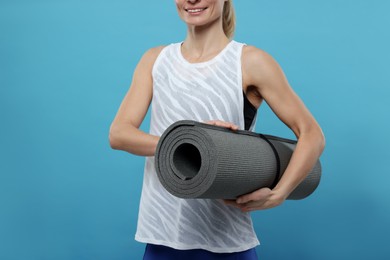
[321, 140]
[315, 137]
[113, 138]
[114, 144]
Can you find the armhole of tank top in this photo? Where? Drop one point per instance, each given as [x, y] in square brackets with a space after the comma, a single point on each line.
[254, 120]
[159, 57]
[239, 81]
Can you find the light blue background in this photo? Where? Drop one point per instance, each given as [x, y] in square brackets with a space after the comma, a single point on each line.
[66, 65]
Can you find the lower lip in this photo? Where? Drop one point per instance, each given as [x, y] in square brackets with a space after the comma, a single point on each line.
[196, 13]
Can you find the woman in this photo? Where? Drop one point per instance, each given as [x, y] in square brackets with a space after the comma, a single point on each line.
[210, 78]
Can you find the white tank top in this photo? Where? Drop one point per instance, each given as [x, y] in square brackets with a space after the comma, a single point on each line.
[195, 91]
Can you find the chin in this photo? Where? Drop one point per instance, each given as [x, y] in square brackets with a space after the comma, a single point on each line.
[196, 23]
[200, 21]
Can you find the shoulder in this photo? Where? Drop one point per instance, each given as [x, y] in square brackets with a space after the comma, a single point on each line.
[258, 58]
[149, 57]
[155, 51]
[258, 65]
[151, 54]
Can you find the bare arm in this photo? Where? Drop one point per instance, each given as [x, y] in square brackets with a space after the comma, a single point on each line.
[263, 72]
[124, 131]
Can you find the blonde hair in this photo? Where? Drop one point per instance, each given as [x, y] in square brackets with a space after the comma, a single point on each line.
[229, 19]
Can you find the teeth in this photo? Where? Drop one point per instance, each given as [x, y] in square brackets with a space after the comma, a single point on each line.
[195, 10]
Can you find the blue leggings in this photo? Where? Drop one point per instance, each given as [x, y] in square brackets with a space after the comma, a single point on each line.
[158, 252]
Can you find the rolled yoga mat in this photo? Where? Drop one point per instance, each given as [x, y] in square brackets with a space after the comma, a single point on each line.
[198, 160]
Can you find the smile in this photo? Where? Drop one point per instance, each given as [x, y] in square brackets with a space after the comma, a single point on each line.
[197, 10]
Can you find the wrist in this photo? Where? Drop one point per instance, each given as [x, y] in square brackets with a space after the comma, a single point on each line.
[280, 194]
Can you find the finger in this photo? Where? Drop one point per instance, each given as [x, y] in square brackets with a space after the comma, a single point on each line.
[210, 122]
[232, 203]
[226, 125]
[222, 124]
[248, 209]
[230, 125]
[255, 208]
[257, 195]
[252, 206]
[228, 201]
[234, 127]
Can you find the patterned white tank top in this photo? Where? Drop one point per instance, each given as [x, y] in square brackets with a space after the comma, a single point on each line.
[195, 91]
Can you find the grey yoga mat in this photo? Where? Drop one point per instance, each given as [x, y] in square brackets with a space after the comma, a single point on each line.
[198, 160]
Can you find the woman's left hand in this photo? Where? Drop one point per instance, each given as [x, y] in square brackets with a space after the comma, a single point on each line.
[263, 198]
[222, 124]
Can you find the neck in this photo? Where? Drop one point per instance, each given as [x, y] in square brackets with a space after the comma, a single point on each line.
[203, 41]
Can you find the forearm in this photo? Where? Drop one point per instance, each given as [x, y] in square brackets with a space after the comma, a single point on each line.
[307, 151]
[130, 139]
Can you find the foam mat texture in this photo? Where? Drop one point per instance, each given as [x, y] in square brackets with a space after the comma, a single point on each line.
[198, 160]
